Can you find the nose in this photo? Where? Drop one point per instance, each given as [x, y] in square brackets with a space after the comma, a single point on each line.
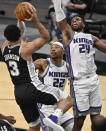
[53, 48]
[74, 20]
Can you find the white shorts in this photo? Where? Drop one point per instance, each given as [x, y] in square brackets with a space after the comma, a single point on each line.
[87, 96]
[66, 119]
[47, 110]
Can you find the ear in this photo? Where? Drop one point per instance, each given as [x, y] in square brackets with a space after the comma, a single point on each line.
[83, 25]
[62, 52]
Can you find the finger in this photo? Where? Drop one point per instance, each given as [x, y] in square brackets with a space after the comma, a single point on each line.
[29, 12]
[29, 19]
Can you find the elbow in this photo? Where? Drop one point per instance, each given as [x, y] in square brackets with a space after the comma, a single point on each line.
[47, 37]
[70, 101]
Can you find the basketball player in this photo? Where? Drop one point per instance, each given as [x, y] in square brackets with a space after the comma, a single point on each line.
[79, 49]
[54, 71]
[28, 89]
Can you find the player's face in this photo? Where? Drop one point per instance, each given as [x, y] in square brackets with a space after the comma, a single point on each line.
[77, 24]
[56, 52]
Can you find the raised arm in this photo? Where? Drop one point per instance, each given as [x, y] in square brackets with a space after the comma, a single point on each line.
[62, 23]
[99, 44]
[22, 26]
[36, 44]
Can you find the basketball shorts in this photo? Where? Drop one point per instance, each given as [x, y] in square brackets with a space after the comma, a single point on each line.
[66, 119]
[47, 110]
[87, 96]
[27, 96]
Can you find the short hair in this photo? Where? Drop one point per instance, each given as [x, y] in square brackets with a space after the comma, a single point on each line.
[99, 123]
[70, 17]
[58, 43]
[12, 33]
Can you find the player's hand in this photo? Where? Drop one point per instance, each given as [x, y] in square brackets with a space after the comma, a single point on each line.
[11, 119]
[33, 15]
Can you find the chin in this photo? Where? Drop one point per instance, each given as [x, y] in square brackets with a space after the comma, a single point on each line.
[54, 57]
[75, 29]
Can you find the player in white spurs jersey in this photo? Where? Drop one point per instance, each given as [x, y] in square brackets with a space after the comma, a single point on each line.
[54, 71]
[80, 51]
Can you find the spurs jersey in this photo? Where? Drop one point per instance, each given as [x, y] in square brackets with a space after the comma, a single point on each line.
[55, 76]
[21, 71]
[80, 55]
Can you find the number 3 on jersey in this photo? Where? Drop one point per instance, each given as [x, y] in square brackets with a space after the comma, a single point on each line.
[14, 68]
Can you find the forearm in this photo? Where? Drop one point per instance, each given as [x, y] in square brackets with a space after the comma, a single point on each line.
[2, 116]
[60, 15]
[101, 46]
[42, 30]
[22, 26]
[62, 23]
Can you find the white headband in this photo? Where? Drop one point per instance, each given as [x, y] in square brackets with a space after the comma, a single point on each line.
[59, 44]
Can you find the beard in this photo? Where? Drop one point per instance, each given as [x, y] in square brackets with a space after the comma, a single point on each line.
[77, 29]
[54, 57]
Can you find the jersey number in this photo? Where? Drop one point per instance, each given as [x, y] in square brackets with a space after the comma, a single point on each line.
[3, 128]
[83, 48]
[58, 82]
[14, 68]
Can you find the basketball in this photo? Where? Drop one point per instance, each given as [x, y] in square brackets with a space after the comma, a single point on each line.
[21, 10]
